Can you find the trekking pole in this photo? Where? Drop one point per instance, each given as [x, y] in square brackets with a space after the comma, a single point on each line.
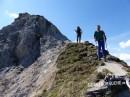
[96, 45]
[106, 45]
[97, 49]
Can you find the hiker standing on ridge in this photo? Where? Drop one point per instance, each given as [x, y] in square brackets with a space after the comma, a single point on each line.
[100, 38]
[79, 33]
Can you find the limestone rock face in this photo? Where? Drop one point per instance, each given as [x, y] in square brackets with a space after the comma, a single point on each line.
[22, 42]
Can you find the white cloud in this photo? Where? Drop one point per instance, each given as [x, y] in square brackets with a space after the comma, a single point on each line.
[123, 56]
[11, 14]
[125, 44]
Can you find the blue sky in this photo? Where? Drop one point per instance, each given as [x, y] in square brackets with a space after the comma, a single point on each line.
[112, 15]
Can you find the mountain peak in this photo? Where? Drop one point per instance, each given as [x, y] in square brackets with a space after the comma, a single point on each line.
[24, 14]
[23, 41]
[27, 15]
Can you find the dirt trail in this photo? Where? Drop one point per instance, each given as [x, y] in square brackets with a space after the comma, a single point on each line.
[115, 68]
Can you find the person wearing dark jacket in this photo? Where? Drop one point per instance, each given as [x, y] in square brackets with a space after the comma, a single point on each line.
[100, 38]
[79, 33]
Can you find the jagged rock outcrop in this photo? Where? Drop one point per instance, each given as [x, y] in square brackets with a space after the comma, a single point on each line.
[31, 81]
[29, 48]
[22, 42]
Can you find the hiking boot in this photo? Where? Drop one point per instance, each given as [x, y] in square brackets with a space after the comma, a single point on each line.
[105, 60]
[99, 59]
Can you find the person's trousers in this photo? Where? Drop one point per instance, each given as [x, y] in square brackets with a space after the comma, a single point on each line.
[78, 38]
[101, 49]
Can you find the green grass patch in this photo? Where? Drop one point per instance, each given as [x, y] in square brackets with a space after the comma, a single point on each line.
[75, 66]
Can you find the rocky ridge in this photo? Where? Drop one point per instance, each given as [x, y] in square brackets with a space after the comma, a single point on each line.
[22, 42]
[29, 48]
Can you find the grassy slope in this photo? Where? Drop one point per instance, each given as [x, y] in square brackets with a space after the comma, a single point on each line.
[75, 65]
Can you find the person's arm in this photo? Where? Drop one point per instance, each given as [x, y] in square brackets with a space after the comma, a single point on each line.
[81, 31]
[95, 36]
[75, 31]
[104, 35]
